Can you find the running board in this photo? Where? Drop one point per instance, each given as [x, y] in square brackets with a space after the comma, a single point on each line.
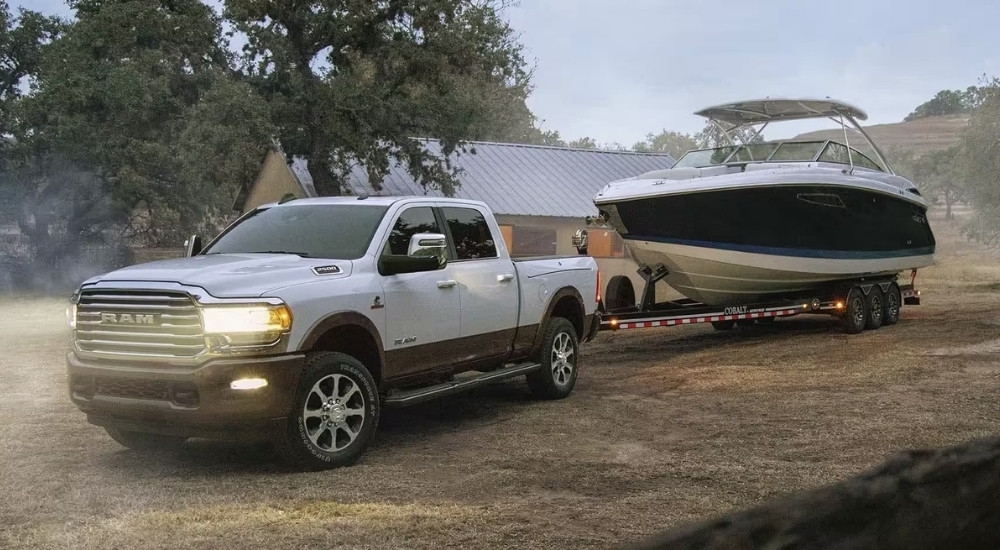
[405, 398]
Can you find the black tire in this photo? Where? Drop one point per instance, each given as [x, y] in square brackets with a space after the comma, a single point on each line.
[558, 355]
[892, 303]
[855, 313]
[620, 293]
[765, 320]
[875, 307]
[147, 442]
[723, 325]
[334, 416]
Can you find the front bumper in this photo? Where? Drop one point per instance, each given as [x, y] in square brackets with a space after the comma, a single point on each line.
[192, 401]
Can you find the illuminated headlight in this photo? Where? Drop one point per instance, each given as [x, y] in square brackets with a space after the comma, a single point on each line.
[71, 315]
[247, 325]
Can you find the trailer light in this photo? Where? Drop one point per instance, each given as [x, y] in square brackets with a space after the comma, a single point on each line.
[839, 305]
[248, 384]
[614, 322]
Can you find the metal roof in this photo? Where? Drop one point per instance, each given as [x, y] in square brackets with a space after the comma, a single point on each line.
[755, 111]
[515, 179]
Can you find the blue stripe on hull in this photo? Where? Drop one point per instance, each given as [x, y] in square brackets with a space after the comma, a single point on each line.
[793, 252]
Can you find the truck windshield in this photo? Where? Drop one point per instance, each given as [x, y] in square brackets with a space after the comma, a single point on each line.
[335, 231]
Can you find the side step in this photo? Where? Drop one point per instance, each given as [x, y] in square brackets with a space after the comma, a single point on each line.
[405, 398]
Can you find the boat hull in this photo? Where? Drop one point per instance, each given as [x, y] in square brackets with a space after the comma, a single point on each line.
[732, 246]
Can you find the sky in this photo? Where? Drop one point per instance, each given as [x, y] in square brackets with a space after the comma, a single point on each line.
[617, 70]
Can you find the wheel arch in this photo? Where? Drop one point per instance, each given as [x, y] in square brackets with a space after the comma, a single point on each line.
[352, 333]
[568, 304]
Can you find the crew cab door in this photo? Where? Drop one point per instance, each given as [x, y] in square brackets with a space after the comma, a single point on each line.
[488, 284]
[421, 309]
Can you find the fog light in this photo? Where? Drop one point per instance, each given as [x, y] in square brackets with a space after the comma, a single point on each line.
[248, 383]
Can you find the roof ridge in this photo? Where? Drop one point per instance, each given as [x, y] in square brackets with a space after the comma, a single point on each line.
[558, 147]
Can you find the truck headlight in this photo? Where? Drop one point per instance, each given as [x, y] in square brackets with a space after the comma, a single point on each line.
[247, 325]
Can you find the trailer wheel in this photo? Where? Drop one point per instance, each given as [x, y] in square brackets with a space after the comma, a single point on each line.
[723, 325]
[745, 323]
[854, 315]
[765, 320]
[875, 306]
[891, 304]
[620, 293]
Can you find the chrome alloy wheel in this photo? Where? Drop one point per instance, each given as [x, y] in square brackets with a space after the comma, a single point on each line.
[334, 412]
[563, 359]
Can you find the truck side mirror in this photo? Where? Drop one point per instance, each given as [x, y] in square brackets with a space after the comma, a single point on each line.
[192, 246]
[424, 245]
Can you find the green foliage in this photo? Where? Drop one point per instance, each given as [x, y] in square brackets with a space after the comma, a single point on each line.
[982, 150]
[583, 143]
[713, 136]
[134, 129]
[673, 143]
[352, 81]
[941, 175]
[954, 102]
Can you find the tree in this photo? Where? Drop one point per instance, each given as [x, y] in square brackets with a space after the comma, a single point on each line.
[583, 143]
[982, 150]
[954, 102]
[673, 143]
[134, 129]
[353, 81]
[940, 174]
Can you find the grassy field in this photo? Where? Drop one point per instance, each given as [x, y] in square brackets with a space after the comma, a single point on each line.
[667, 426]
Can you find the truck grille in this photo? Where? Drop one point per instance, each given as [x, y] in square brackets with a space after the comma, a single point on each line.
[138, 323]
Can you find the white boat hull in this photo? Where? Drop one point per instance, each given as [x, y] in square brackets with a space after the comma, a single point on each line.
[727, 277]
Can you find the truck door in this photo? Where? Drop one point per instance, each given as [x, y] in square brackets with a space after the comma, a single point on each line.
[422, 309]
[488, 284]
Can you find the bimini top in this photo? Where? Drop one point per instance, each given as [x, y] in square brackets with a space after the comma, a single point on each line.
[756, 111]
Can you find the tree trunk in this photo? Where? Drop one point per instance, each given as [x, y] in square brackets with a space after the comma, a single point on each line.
[948, 201]
[319, 169]
[948, 498]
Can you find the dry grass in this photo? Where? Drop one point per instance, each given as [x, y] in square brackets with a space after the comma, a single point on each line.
[667, 426]
[919, 136]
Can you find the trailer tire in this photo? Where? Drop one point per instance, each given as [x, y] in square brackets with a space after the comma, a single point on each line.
[874, 308]
[855, 311]
[723, 325]
[620, 293]
[892, 303]
[559, 356]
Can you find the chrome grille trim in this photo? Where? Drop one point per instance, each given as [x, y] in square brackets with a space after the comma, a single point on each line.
[175, 331]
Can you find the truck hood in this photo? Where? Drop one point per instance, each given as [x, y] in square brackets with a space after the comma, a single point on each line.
[233, 275]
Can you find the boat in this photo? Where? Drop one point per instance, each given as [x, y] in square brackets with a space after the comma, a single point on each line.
[754, 220]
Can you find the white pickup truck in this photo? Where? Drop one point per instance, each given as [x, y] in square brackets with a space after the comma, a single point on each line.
[303, 319]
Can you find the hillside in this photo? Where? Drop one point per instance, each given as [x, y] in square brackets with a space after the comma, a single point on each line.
[919, 136]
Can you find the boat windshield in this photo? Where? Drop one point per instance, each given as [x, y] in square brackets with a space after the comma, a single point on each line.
[777, 151]
[704, 157]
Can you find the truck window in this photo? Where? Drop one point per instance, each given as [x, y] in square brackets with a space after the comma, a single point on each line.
[412, 221]
[471, 233]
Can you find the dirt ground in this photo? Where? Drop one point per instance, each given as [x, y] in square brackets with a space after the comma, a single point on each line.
[666, 426]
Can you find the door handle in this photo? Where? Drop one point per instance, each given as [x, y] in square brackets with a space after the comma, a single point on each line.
[504, 278]
[447, 284]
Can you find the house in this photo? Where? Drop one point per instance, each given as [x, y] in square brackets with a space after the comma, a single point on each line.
[540, 194]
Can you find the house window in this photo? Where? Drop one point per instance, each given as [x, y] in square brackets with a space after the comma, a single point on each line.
[533, 241]
[603, 243]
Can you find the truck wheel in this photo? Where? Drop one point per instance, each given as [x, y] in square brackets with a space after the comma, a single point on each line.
[875, 306]
[891, 303]
[620, 293]
[141, 441]
[723, 325]
[335, 413]
[558, 356]
[854, 315]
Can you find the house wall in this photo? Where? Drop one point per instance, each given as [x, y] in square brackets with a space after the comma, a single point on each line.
[274, 181]
[565, 228]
